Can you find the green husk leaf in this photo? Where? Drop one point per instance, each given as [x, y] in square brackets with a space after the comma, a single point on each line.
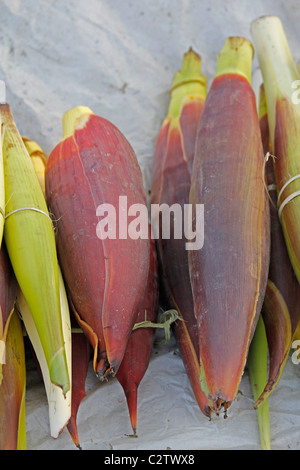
[30, 242]
[281, 80]
[257, 363]
[59, 404]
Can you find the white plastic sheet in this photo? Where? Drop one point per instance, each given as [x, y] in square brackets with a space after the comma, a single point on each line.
[118, 57]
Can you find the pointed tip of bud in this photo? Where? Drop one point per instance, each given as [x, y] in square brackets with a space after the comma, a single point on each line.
[236, 57]
[187, 82]
[191, 60]
[190, 70]
[71, 117]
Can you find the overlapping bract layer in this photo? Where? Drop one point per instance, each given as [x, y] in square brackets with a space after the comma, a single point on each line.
[106, 277]
[139, 347]
[229, 274]
[172, 168]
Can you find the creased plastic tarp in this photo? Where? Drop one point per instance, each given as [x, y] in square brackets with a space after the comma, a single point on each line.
[118, 57]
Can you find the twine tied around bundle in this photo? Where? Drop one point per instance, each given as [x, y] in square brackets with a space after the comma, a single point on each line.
[25, 209]
[35, 209]
[271, 187]
[290, 197]
[165, 321]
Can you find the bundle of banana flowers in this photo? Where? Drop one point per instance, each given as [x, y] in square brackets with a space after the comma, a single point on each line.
[81, 273]
[217, 287]
[53, 315]
[237, 293]
[28, 238]
[280, 313]
[281, 307]
[280, 118]
[225, 324]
